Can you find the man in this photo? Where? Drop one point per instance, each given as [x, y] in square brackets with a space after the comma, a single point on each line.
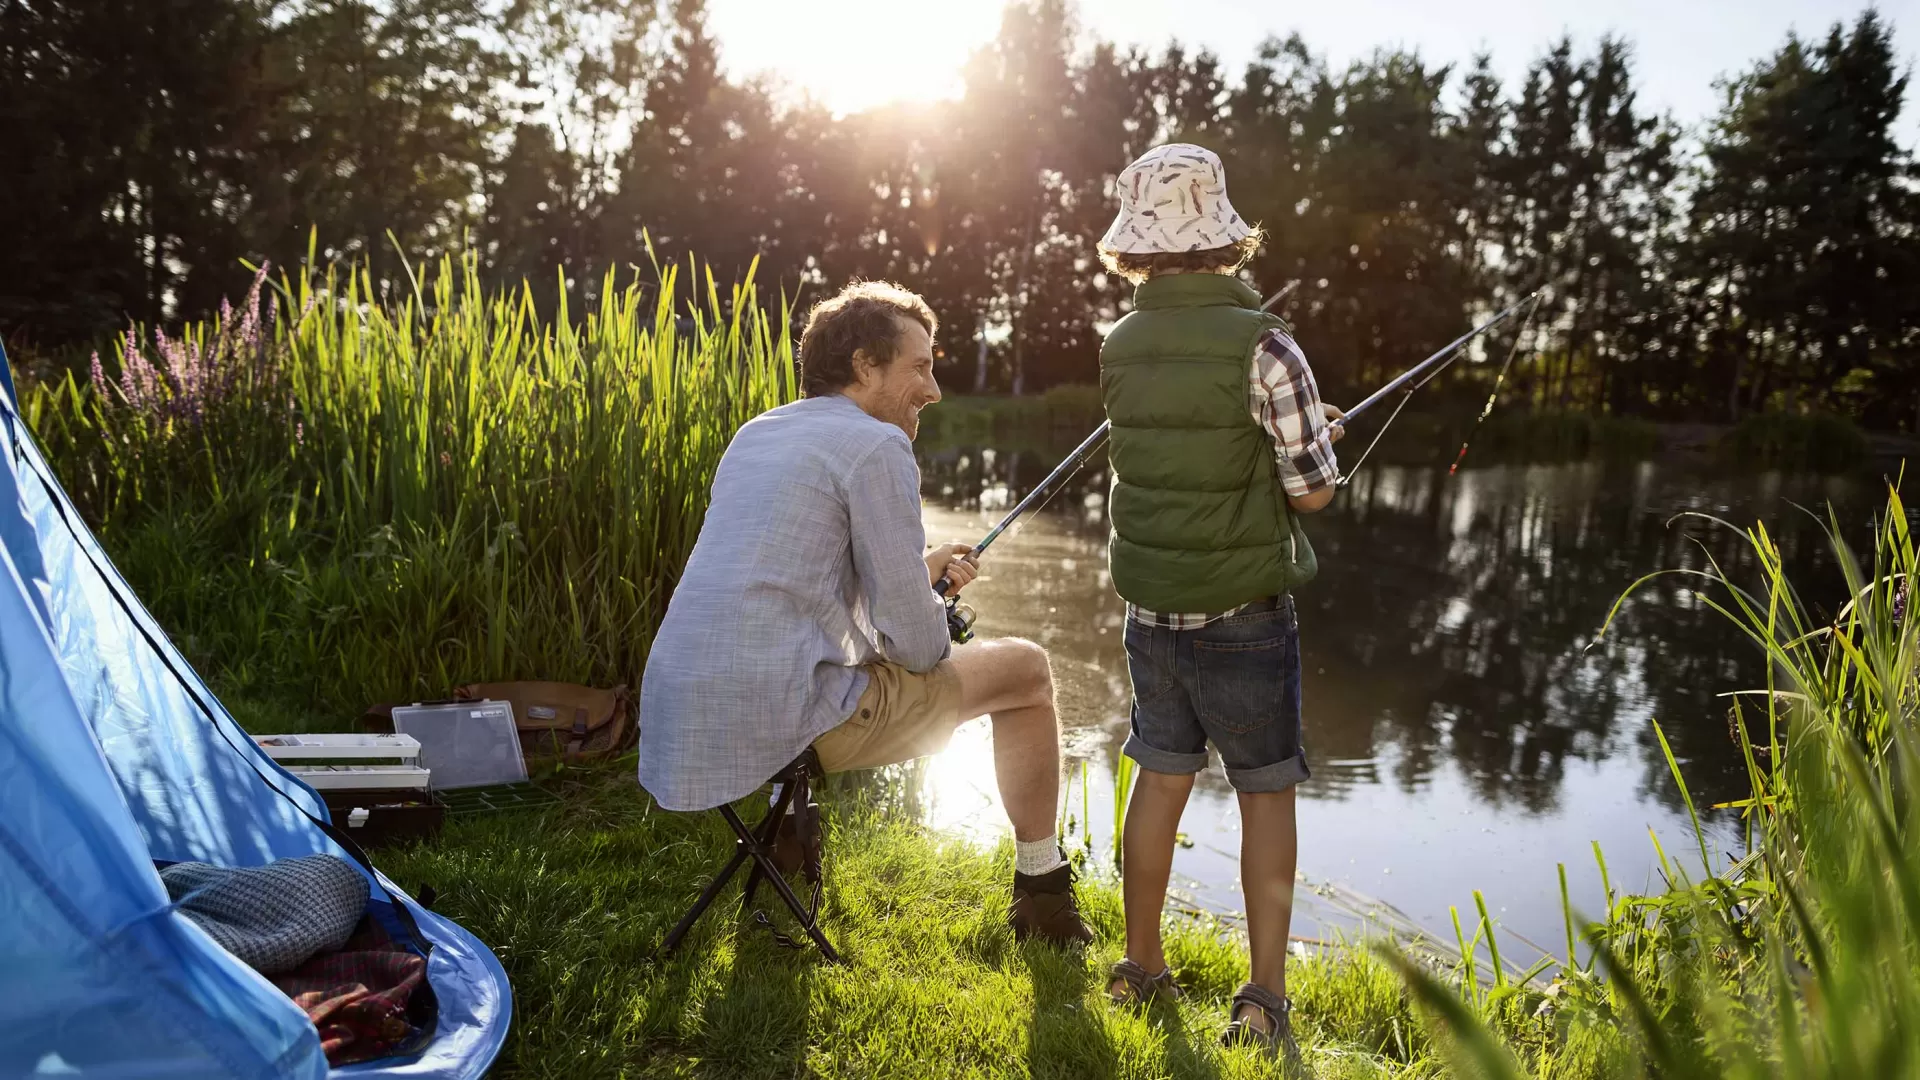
[806, 614]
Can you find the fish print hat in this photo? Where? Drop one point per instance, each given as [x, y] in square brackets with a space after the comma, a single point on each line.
[1173, 198]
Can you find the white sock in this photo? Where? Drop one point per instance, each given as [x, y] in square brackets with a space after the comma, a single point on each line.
[1033, 857]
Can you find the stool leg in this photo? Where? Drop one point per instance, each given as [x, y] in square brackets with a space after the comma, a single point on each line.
[769, 831]
[700, 906]
[771, 872]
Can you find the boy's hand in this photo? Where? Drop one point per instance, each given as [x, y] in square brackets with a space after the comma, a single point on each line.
[1332, 413]
[949, 561]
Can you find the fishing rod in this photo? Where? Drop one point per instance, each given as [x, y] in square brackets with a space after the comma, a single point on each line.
[960, 616]
[1281, 295]
[1437, 363]
[1445, 352]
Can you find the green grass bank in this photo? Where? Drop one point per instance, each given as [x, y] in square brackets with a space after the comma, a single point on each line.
[331, 499]
[575, 899]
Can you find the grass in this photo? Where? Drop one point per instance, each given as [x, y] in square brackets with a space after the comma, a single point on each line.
[1820, 442]
[935, 986]
[575, 900]
[1062, 413]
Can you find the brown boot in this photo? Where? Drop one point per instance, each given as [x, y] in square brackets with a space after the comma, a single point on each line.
[1043, 907]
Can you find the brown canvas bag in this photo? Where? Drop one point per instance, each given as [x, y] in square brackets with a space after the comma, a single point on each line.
[562, 721]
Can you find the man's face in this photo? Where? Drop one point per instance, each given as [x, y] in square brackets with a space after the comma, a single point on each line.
[898, 391]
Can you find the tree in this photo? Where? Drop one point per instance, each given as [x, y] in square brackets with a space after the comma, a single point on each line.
[573, 76]
[1803, 226]
[381, 121]
[122, 119]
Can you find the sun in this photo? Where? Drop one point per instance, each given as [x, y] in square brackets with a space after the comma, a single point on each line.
[852, 55]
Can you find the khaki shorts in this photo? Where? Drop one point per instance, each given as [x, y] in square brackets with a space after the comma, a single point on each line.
[902, 715]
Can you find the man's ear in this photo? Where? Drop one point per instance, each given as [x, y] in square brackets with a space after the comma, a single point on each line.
[864, 367]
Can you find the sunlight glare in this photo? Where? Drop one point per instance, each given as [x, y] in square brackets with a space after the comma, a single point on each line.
[852, 55]
[962, 795]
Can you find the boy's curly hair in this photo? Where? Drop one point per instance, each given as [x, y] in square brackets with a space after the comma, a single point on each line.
[1138, 268]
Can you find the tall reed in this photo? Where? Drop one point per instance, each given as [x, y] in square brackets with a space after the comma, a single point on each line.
[354, 494]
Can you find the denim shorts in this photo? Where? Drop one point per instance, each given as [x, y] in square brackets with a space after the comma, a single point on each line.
[1235, 683]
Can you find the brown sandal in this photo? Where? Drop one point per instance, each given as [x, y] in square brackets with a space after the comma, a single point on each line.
[1136, 987]
[1277, 1038]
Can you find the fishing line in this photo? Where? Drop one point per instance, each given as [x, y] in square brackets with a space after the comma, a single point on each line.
[1499, 381]
[1532, 304]
[1347, 477]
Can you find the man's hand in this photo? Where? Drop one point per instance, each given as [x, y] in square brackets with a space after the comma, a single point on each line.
[949, 560]
[1336, 432]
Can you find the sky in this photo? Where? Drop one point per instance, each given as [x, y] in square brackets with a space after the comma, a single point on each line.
[853, 54]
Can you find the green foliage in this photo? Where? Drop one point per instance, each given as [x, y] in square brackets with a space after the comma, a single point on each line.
[1791, 234]
[1562, 435]
[1822, 442]
[389, 499]
[1069, 411]
[1769, 268]
[1803, 958]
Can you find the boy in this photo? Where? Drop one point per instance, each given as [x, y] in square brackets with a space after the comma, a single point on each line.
[1219, 440]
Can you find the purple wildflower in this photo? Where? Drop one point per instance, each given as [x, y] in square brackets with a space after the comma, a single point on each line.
[193, 375]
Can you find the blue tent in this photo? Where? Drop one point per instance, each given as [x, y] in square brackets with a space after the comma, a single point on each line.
[114, 754]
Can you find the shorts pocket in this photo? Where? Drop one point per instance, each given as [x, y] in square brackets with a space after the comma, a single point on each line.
[1241, 686]
[1151, 679]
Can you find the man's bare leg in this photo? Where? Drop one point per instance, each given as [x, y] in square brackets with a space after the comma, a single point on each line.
[1153, 824]
[1008, 679]
[1269, 848]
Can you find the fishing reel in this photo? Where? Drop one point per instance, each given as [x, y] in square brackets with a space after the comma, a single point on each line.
[959, 621]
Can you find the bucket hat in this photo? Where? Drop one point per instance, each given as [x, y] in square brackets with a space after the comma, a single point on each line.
[1173, 198]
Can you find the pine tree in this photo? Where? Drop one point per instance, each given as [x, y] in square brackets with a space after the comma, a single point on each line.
[1802, 226]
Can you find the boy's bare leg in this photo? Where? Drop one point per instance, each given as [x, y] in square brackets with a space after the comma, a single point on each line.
[1008, 679]
[1269, 849]
[1153, 822]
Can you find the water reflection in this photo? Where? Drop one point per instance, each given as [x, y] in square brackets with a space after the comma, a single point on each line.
[1466, 729]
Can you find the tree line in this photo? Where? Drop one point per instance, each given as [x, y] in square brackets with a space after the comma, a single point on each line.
[1762, 260]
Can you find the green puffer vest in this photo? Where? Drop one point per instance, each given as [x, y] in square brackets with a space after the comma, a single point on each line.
[1200, 522]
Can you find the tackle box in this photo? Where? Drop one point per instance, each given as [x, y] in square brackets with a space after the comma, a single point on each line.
[465, 743]
[373, 785]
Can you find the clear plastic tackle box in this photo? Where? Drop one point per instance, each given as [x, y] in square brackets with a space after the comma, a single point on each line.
[465, 743]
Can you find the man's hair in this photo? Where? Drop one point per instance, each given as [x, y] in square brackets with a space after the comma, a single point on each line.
[863, 317]
[1139, 267]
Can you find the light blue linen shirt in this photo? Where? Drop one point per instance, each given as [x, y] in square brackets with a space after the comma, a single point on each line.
[809, 564]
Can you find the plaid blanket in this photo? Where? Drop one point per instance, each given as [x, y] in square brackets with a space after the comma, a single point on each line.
[357, 997]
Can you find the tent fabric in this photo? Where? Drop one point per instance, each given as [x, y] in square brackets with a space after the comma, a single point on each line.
[115, 754]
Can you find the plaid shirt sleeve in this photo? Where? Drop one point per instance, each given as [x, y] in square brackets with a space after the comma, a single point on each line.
[1285, 401]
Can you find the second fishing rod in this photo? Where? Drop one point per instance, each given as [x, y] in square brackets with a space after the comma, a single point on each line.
[960, 617]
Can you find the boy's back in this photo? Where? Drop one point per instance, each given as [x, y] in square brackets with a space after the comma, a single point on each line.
[1219, 441]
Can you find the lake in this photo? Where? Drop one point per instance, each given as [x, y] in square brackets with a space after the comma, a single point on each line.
[1465, 728]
